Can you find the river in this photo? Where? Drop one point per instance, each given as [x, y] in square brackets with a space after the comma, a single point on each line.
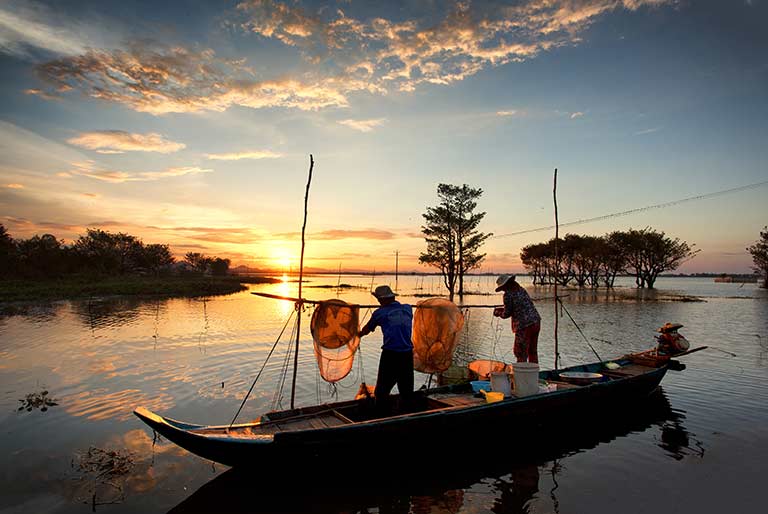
[72, 372]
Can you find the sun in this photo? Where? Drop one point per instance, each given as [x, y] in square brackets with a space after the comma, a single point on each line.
[280, 259]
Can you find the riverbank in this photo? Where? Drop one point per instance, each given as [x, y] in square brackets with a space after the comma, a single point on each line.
[67, 288]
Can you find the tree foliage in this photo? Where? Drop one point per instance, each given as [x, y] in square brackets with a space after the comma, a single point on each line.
[450, 231]
[596, 261]
[759, 252]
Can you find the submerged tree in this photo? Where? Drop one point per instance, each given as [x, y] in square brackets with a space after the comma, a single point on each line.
[759, 252]
[450, 231]
[650, 253]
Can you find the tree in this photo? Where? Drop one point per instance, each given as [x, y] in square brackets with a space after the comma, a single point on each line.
[650, 253]
[106, 252]
[197, 261]
[155, 257]
[759, 252]
[41, 256]
[450, 231]
[219, 266]
[7, 252]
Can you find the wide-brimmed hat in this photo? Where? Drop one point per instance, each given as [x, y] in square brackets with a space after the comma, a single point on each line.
[383, 292]
[503, 281]
[669, 327]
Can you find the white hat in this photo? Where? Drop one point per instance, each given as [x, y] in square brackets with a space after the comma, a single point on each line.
[503, 280]
[383, 292]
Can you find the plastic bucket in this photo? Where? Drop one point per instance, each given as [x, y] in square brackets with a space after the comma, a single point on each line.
[526, 378]
[501, 382]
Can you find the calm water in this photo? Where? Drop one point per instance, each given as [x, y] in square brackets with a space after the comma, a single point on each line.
[698, 446]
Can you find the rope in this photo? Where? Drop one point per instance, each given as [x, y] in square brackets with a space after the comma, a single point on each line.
[579, 329]
[262, 369]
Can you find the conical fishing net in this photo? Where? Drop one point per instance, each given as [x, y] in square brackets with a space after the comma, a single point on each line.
[437, 323]
[334, 327]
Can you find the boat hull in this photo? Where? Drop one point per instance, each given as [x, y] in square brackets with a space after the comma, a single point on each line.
[511, 418]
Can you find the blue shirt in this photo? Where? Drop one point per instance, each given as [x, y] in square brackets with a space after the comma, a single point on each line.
[396, 321]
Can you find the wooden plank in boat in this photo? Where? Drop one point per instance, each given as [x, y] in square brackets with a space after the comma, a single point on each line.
[456, 400]
[635, 369]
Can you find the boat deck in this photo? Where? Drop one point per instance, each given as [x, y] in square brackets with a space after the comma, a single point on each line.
[344, 413]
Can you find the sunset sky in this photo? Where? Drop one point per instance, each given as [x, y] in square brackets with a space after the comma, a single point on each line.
[191, 123]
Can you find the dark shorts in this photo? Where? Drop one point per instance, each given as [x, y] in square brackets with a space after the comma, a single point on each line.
[394, 368]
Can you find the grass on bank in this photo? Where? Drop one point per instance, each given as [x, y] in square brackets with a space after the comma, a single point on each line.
[71, 287]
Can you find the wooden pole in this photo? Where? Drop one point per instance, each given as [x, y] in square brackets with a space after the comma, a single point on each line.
[300, 303]
[397, 257]
[557, 268]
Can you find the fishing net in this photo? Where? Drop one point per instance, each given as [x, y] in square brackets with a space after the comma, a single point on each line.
[436, 326]
[334, 328]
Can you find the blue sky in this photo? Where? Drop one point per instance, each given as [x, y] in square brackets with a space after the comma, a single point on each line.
[191, 123]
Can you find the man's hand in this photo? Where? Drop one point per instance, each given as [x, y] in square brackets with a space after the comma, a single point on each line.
[498, 311]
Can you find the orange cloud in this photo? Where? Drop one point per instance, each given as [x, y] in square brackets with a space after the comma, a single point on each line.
[250, 154]
[363, 125]
[376, 55]
[118, 141]
[14, 186]
[89, 169]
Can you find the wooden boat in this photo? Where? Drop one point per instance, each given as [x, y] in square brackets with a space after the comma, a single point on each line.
[435, 415]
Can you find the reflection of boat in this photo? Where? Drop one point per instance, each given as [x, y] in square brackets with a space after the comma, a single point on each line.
[415, 489]
[329, 430]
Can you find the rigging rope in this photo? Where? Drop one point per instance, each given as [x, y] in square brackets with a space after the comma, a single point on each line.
[262, 369]
[634, 211]
[579, 329]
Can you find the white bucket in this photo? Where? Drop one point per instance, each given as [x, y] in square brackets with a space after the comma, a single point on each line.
[501, 382]
[526, 378]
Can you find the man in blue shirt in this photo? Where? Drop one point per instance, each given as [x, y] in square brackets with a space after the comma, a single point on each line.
[396, 361]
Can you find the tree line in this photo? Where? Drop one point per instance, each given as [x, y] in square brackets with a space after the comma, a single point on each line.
[97, 252]
[596, 261]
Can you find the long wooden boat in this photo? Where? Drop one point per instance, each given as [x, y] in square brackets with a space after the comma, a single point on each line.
[435, 415]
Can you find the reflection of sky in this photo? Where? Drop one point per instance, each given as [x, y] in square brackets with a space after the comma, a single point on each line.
[197, 133]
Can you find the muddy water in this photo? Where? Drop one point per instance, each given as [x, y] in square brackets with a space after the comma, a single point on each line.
[72, 372]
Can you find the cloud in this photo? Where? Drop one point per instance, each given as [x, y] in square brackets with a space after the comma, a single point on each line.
[249, 154]
[345, 54]
[14, 186]
[363, 125]
[648, 131]
[506, 113]
[89, 169]
[91, 195]
[118, 141]
[175, 80]
[577, 114]
[356, 234]
[26, 26]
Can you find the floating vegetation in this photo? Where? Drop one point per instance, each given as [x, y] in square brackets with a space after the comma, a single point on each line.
[39, 401]
[103, 472]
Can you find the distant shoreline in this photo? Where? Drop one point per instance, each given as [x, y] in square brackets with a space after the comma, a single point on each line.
[78, 287]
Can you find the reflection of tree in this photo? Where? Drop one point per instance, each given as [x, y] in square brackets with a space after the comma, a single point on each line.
[113, 311]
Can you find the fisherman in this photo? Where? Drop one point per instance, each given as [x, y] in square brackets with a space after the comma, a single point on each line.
[526, 322]
[396, 360]
[670, 341]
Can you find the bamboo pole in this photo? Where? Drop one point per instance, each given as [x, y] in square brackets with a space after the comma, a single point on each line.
[557, 264]
[300, 303]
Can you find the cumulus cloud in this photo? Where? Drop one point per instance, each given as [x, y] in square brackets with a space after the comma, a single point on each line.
[89, 169]
[363, 125]
[248, 154]
[347, 55]
[118, 141]
[577, 114]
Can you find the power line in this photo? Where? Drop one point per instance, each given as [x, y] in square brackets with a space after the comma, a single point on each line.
[639, 209]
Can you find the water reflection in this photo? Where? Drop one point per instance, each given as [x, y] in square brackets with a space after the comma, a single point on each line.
[503, 477]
